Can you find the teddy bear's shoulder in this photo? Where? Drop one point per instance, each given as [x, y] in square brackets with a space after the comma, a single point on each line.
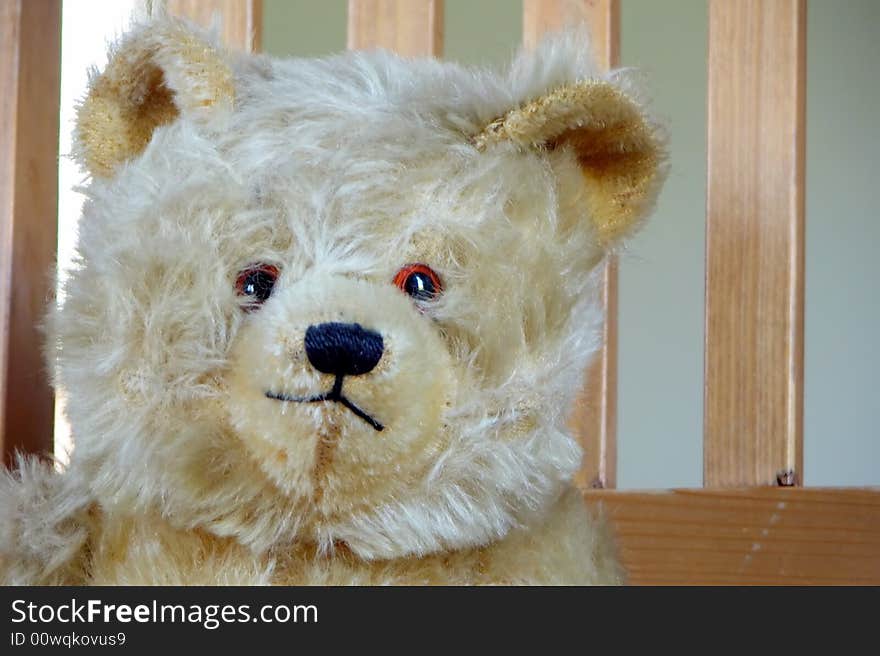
[566, 546]
[45, 523]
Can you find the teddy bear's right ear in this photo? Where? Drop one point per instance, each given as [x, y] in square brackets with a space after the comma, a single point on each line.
[157, 73]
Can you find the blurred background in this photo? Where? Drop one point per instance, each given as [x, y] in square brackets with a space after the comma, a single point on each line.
[660, 423]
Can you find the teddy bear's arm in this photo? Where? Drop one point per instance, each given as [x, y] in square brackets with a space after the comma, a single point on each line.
[44, 527]
[570, 548]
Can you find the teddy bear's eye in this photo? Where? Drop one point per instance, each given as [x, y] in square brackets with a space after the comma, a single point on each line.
[419, 281]
[256, 282]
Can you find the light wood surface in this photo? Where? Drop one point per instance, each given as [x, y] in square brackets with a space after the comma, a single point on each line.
[241, 20]
[753, 430]
[767, 536]
[408, 27]
[601, 17]
[30, 66]
[594, 419]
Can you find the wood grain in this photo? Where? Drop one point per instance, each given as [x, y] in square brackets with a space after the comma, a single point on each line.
[601, 17]
[753, 426]
[411, 28]
[30, 69]
[767, 536]
[241, 20]
[594, 418]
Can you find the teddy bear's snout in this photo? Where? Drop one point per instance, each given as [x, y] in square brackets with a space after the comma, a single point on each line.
[343, 349]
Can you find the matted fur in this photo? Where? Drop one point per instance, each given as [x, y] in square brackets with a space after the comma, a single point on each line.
[337, 171]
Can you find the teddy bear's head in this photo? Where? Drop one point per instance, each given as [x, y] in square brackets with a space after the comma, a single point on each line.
[340, 300]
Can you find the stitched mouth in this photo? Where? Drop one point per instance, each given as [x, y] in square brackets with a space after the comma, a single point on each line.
[335, 395]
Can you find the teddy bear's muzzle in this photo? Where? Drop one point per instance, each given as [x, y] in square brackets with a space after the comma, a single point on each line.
[341, 349]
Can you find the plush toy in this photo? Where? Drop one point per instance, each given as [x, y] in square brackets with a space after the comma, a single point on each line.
[328, 318]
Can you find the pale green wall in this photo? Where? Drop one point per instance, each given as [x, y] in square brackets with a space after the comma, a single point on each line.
[662, 273]
[482, 31]
[660, 432]
[842, 396]
[303, 28]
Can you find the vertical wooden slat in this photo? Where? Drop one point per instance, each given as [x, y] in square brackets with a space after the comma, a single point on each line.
[241, 20]
[30, 68]
[753, 429]
[409, 27]
[594, 420]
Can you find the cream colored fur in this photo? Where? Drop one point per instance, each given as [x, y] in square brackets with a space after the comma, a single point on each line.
[339, 172]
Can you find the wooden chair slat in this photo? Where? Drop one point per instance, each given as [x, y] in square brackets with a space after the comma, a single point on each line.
[241, 21]
[408, 27]
[753, 423]
[30, 80]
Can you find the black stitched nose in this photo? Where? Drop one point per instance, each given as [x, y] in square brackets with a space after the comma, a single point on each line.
[343, 348]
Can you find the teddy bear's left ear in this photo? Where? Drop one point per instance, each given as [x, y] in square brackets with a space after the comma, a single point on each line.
[619, 150]
[157, 73]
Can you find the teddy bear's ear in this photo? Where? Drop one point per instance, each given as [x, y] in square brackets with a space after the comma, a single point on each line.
[619, 150]
[156, 73]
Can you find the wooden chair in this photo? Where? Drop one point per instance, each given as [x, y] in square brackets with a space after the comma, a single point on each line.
[752, 522]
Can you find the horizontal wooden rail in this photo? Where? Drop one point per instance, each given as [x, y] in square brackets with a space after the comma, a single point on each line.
[769, 536]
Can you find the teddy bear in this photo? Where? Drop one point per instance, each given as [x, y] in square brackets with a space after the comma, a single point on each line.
[328, 317]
